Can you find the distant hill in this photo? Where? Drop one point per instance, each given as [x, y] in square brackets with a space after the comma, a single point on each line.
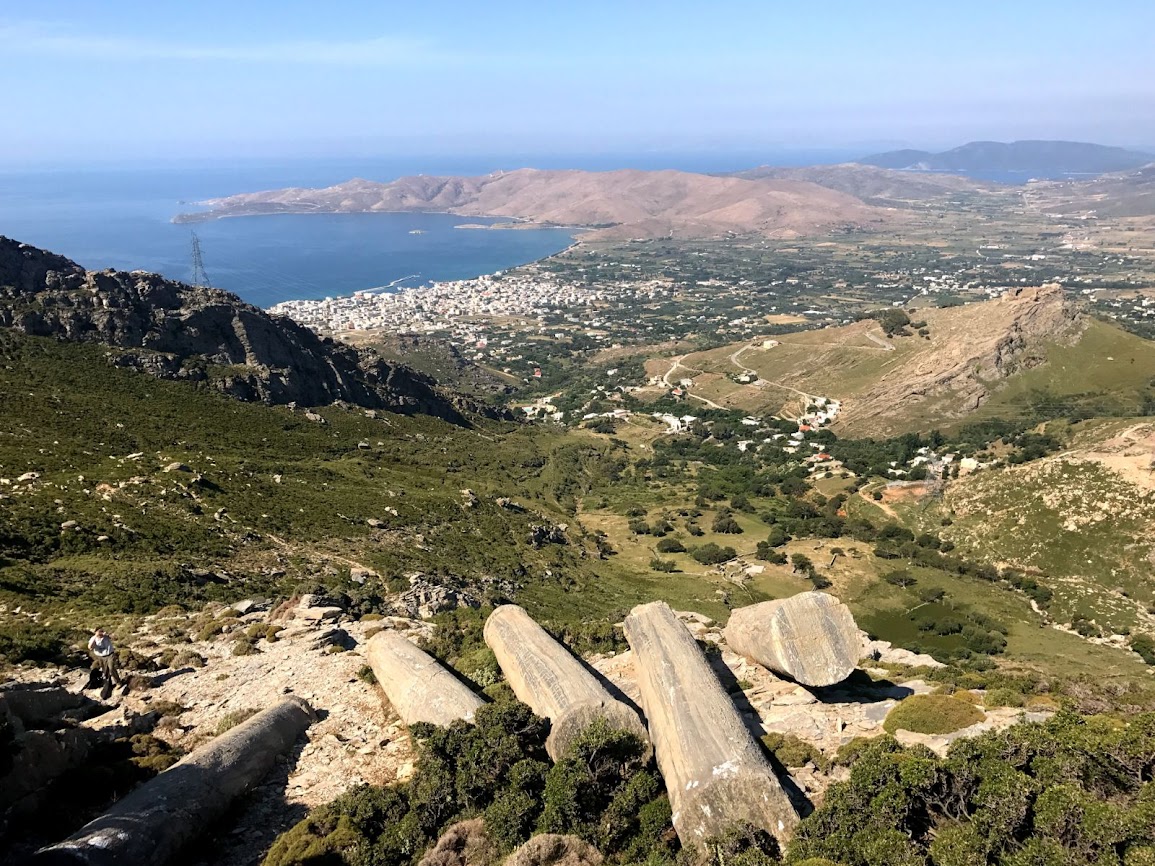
[176, 331]
[876, 186]
[616, 204]
[1043, 157]
[993, 358]
[1121, 194]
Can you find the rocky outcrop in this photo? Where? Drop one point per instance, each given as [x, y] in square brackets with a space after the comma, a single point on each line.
[41, 739]
[176, 331]
[462, 844]
[550, 680]
[810, 637]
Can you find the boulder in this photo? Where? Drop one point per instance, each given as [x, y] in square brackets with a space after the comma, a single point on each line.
[810, 637]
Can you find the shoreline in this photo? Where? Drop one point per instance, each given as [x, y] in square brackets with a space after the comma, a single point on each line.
[510, 222]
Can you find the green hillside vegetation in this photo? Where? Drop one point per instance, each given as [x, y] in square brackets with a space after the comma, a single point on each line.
[1108, 371]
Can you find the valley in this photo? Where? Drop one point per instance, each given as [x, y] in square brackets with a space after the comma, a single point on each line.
[944, 420]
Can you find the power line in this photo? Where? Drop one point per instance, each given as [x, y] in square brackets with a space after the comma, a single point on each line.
[200, 278]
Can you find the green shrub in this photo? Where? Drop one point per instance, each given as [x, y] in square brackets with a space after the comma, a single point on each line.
[27, 641]
[666, 566]
[365, 674]
[850, 752]
[166, 708]
[232, 719]
[208, 632]
[713, 554]
[792, 751]
[1003, 698]
[670, 545]
[1144, 646]
[188, 659]
[932, 714]
[243, 647]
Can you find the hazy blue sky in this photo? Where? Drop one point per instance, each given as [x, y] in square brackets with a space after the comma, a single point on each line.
[146, 78]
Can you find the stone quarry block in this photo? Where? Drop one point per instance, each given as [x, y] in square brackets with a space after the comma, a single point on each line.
[417, 685]
[810, 637]
[552, 682]
[716, 774]
[160, 817]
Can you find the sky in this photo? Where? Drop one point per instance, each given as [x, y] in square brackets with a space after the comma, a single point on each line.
[141, 79]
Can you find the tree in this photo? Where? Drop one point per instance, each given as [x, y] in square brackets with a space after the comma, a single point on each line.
[713, 554]
[900, 577]
[725, 523]
[670, 545]
[801, 562]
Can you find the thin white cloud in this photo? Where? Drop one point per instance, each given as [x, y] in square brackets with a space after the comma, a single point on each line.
[40, 39]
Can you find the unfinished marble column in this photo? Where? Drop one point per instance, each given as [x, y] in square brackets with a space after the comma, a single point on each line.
[552, 682]
[715, 772]
[161, 816]
[810, 637]
[418, 687]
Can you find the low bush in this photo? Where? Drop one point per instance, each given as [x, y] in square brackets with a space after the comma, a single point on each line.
[932, 714]
[792, 751]
[188, 659]
[1003, 698]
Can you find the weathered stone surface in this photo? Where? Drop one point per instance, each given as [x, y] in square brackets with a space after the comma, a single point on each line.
[810, 637]
[552, 682]
[417, 686]
[157, 819]
[35, 703]
[715, 772]
[552, 849]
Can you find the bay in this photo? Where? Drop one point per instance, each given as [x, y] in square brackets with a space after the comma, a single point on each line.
[119, 216]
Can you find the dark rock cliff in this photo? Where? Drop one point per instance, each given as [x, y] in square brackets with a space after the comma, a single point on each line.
[177, 331]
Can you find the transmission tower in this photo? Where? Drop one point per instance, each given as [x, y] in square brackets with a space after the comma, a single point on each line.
[200, 278]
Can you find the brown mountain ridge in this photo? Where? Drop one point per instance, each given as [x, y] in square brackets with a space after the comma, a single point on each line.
[613, 204]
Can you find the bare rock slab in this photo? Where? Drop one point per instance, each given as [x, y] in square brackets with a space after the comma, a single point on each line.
[810, 637]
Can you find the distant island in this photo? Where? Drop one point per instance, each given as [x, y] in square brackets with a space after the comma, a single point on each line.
[1042, 157]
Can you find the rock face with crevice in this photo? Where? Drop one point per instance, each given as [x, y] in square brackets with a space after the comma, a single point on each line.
[810, 637]
[172, 330]
[552, 682]
[715, 772]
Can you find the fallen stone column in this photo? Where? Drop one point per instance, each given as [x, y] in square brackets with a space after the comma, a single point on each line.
[153, 822]
[715, 772]
[418, 687]
[552, 682]
[810, 637]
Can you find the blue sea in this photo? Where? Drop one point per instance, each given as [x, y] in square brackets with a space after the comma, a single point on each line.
[119, 216]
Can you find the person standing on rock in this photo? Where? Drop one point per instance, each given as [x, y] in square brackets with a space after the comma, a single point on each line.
[104, 654]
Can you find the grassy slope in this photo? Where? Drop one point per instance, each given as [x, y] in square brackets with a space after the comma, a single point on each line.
[844, 363]
[75, 420]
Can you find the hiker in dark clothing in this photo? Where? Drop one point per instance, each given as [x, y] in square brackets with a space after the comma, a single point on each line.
[104, 654]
